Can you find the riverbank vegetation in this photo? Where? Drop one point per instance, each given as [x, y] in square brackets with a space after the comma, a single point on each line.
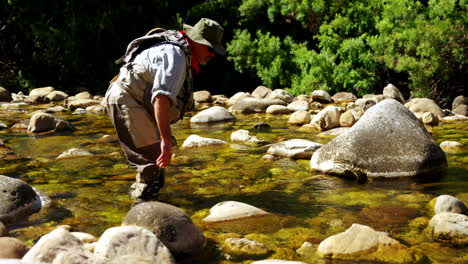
[300, 45]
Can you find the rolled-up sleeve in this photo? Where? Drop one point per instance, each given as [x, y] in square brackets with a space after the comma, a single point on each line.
[167, 63]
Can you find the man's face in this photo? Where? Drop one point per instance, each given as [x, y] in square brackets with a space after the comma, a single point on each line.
[203, 53]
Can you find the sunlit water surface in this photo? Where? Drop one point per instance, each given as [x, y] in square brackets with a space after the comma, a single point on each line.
[91, 194]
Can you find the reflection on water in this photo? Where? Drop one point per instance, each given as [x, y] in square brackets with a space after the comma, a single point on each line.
[91, 194]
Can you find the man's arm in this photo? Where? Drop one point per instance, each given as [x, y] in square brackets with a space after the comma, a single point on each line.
[162, 105]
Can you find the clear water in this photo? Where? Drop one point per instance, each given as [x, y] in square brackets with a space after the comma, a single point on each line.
[91, 194]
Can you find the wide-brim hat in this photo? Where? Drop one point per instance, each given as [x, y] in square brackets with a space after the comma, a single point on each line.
[207, 32]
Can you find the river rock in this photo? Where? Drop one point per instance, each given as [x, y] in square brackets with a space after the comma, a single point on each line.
[232, 210]
[343, 97]
[12, 248]
[261, 92]
[461, 110]
[213, 114]
[194, 141]
[451, 145]
[73, 153]
[3, 230]
[255, 105]
[21, 124]
[243, 135]
[133, 242]
[459, 100]
[51, 244]
[3, 125]
[17, 261]
[363, 243]
[55, 109]
[449, 204]
[280, 94]
[16, 199]
[430, 119]
[41, 122]
[390, 91]
[238, 96]
[80, 103]
[5, 95]
[278, 110]
[96, 108]
[202, 97]
[81, 257]
[84, 95]
[84, 237]
[39, 94]
[388, 141]
[350, 117]
[321, 96]
[423, 105]
[244, 248]
[299, 118]
[450, 227]
[277, 261]
[219, 99]
[327, 119]
[56, 96]
[294, 148]
[455, 118]
[170, 224]
[299, 105]
[15, 106]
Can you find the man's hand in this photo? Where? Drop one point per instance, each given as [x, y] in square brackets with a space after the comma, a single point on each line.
[162, 104]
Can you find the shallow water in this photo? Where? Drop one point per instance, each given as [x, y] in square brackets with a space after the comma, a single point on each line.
[91, 194]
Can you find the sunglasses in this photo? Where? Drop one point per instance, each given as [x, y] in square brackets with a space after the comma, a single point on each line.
[210, 49]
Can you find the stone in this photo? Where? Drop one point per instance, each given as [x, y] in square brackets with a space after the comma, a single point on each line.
[132, 242]
[303, 97]
[390, 91]
[243, 135]
[194, 141]
[41, 122]
[202, 97]
[327, 119]
[449, 204]
[261, 92]
[299, 105]
[321, 96]
[170, 224]
[219, 99]
[51, 244]
[388, 141]
[56, 96]
[422, 105]
[12, 248]
[299, 118]
[232, 210]
[278, 110]
[80, 103]
[261, 126]
[3, 230]
[450, 145]
[277, 261]
[96, 108]
[16, 199]
[450, 227]
[244, 248]
[294, 148]
[280, 94]
[362, 243]
[343, 97]
[430, 119]
[55, 109]
[459, 100]
[21, 124]
[350, 117]
[15, 106]
[306, 249]
[255, 105]
[84, 95]
[455, 118]
[5, 95]
[238, 96]
[39, 94]
[3, 125]
[461, 110]
[212, 115]
[84, 237]
[73, 153]
[80, 257]
[334, 132]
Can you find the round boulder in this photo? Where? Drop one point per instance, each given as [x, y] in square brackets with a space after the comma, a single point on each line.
[422, 105]
[17, 199]
[450, 227]
[194, 141]
[282, 95]
[261, 92]
[278, 110]
[202, 97]
[299, 118]
[388, 141]
[461, 110]
[12, 248]
[213, 114]
[390, 91]
[321, 96]
[459, 100]
[5, 95]
[327, 119]
[255, 105]
[170, 224]
[41, 122]
[449, 204]
[343, 97]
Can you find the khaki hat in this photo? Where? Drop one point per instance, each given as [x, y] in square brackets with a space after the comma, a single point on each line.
[207, 32]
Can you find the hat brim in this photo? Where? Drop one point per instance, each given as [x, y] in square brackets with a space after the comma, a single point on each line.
[196, 37]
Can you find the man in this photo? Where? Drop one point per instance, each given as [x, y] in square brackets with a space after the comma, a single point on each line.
[153, 90]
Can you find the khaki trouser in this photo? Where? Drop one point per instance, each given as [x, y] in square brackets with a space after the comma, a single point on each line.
[139, 137]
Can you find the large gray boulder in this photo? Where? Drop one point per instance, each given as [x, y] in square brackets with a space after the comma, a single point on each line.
[5, 95]
[41, 122]
[212, 115]
[388, 141]
[170, 224]
[255, 105]
[17, 199]
[132, 242]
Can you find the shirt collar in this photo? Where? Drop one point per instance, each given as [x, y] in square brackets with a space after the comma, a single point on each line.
[194, 61]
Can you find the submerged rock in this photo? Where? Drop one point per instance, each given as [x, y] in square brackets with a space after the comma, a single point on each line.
[294, 148]
[41, 122]
[74, 152]
[363, 243]
[231, 210]
[170, 224]
[132, 243]
[194, 141]
[450, 145]
[17, 199]
[450, 227]
[243, 135]
[244, 248]
[213, 114]
[388, 141]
